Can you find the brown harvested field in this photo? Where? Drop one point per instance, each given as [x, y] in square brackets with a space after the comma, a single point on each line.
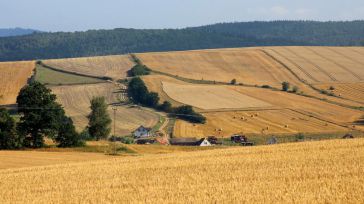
[13, 77]
[21, 159]
[279, 121]
[293, 114]
[210, 97]
[155, 84]
[115, 66]
[308, 106]
[246, 65]
[76, 101]
[322, 64]
[351, 91]
[266, 66]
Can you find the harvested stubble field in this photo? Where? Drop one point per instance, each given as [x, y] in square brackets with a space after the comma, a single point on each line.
[350, 91]
[209, 97]
[76, 101]
[155, 84]
[21, 159]
[13, 77]
[115, 66]
[246, 65]
[310, 172]
[266, 66]
[298, 113]
[267, 122]
[322, 64]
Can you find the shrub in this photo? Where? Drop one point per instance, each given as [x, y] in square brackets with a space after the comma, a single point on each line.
[295, 89]
[166, 106]
[233, 82]
[186, 112]
[266, 87]
[139, 70]
[331, 88]
[300, 137]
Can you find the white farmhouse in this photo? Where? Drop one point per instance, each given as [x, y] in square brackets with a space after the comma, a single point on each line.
[142, 132]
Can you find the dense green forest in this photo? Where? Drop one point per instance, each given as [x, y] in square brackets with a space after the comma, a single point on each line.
[121, 41]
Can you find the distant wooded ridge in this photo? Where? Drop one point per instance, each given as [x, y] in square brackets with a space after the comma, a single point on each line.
[224, 35]
[7, 32]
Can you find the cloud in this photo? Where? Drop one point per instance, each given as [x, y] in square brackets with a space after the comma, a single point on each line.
[305, 13]
[279, 10]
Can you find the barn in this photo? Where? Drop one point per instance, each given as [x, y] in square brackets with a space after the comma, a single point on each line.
[190, 142]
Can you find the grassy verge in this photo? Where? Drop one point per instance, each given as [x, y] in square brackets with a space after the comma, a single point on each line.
[52, 77]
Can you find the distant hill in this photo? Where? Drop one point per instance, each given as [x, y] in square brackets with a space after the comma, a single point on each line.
[120, 41]
[6, 32]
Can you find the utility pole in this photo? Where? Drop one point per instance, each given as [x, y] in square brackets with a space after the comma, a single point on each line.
[114, 108]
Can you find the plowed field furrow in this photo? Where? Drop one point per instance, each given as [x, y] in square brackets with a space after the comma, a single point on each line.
[308, 61]
[337, 64]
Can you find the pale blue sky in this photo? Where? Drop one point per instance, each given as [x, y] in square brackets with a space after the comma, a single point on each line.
[72, 15]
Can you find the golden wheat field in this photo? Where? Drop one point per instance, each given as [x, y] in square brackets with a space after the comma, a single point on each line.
[115, 66]
[265, 122]
[14, 75]
[310, 172]
[22, 159]
[76, 101]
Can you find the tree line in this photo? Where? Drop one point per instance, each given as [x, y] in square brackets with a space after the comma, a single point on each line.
[139, 94]
[122, 41]
[42, 116]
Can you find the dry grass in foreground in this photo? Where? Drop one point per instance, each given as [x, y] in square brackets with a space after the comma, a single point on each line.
[312, 172]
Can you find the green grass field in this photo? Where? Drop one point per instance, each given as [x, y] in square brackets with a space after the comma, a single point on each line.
[52, 77]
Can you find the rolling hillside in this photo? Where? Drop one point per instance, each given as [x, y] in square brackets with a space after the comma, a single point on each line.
[319, 172]
[199, 78]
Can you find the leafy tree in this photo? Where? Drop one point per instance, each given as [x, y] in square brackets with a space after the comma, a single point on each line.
[233, 82]
[186, 112]
[67, 135]
[8, 137]
[152, 99]
[138, 91]
[285, 86]
[99, 119]
[41, 114]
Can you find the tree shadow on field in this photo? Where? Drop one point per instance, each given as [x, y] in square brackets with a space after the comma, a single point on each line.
[360, 121]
